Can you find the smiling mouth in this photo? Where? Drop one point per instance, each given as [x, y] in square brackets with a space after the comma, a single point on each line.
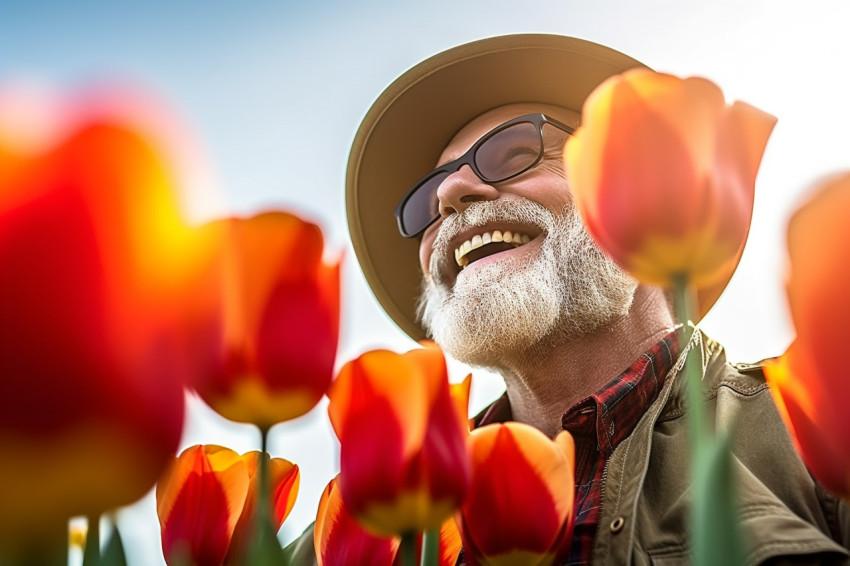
[488, 243]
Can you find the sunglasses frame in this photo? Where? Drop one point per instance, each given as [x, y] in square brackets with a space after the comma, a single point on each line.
[468, 158]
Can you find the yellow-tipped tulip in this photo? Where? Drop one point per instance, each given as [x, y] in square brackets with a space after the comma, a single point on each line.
[199, 501]
[663, 172]
[279, 323]
[809, 382]
[519, 509]
[404, 461]
[206, 504]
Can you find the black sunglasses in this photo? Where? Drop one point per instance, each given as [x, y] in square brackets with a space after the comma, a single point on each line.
[502, 153]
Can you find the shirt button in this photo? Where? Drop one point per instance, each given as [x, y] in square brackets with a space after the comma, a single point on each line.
[617, 524]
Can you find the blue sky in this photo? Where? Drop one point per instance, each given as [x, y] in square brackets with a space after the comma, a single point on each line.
[274, 92]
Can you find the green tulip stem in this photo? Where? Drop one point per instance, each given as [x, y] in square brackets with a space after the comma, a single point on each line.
[265, 550]
[684, 302]
[715, 528]
[91, 557]
[430, 547]
[408, 549]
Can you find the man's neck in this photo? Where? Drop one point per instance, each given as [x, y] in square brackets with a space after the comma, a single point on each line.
[541, 387]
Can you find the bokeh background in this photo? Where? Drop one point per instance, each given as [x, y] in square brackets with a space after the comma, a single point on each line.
[273, 91]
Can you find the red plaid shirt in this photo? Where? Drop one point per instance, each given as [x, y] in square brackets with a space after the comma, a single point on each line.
[598, 424]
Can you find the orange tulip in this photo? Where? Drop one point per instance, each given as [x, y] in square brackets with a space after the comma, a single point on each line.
[96, 264]
[404, 461]
[205, 502]
[340, 540]
[519, 510]
[809, 382]
[663, 173]
[280, 320]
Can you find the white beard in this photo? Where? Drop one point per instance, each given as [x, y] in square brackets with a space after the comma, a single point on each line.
[511, 309]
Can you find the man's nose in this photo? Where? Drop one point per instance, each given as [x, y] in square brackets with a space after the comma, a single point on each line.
[462, 188]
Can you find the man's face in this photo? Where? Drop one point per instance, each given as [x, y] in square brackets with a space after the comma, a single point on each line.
[488, 302]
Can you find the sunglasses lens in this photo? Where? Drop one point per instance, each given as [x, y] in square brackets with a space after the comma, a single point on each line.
[509, 152]
[422, 207]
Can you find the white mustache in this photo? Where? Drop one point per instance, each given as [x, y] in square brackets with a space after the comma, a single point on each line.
[519, 211]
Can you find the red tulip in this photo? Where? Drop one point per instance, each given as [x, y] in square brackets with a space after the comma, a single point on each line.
[404, 461]
[809, 382]
[96, 264]
[519, 509]
[280, 320]
[199, 501]
[206, 503]
[341, 541]
[664, 172]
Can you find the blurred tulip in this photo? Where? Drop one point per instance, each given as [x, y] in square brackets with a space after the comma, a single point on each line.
[341, 541]
[280, 320]
[206, 501]
[199, 501]
[450, 543]
[809, 382]
[519, 509]
[664, 172]
[284, 479]
[404, 460]
[97, 265]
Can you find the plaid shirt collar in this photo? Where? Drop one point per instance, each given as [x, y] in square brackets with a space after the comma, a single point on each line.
[605, 410]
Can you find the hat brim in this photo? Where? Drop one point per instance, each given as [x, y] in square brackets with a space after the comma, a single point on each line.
[408, 126]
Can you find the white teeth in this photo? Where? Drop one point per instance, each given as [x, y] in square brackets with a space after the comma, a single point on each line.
[479, 240]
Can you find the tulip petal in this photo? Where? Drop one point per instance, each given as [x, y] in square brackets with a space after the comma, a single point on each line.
[460, 397]
[817, 425]
[340, 541]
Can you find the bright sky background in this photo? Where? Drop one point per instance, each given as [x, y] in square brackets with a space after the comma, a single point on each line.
[275, 91]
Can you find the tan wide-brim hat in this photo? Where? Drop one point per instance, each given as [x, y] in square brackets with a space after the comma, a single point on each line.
[409, 125]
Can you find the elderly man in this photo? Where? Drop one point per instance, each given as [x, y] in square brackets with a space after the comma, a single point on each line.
[490, 258]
